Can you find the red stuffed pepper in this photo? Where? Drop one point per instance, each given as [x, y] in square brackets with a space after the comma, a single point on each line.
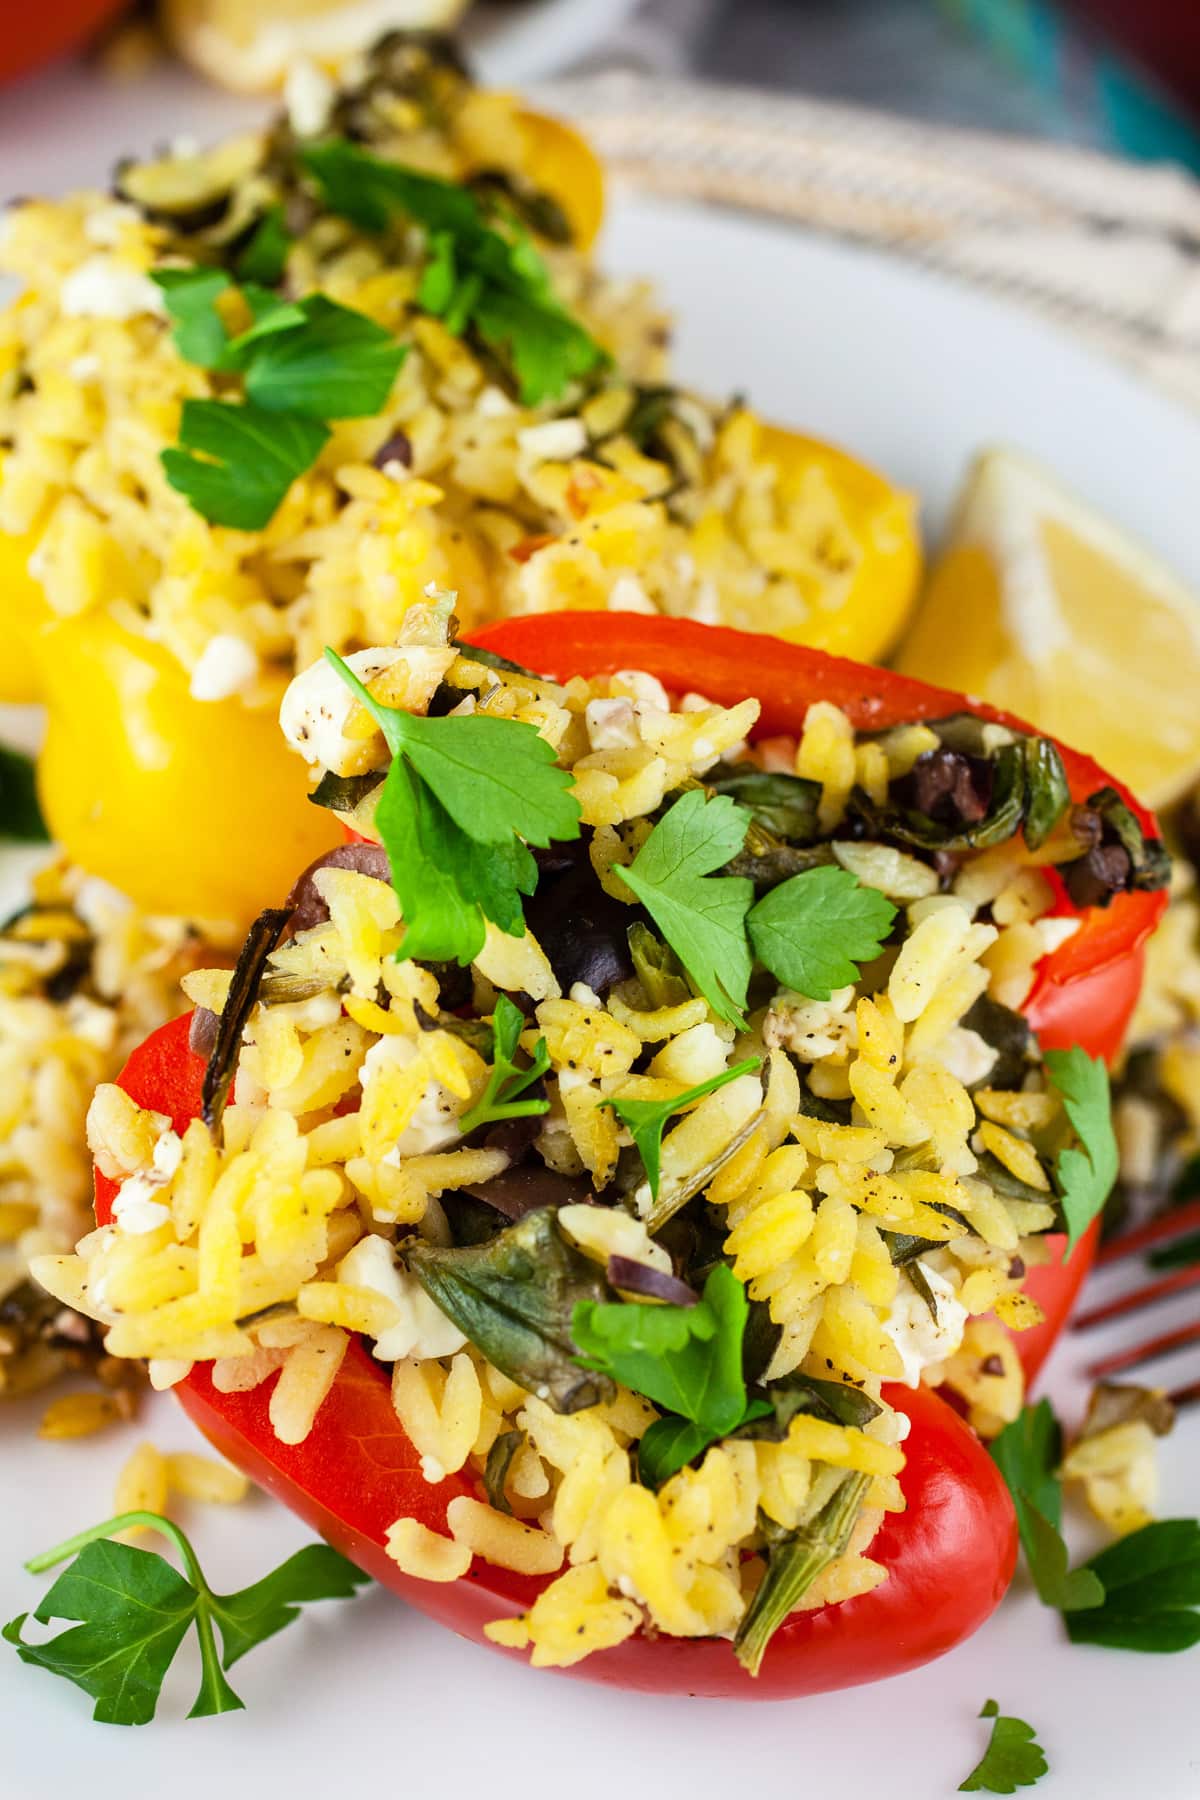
[935, 802]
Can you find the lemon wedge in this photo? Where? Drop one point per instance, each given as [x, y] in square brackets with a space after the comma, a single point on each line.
[251, 45]
[1038, 604]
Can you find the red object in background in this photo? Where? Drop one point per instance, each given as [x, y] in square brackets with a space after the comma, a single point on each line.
[950, 1556]
[1163, 35]
[31, 35]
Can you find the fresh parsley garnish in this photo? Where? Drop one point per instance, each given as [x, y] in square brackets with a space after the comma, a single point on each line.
[133, 1610]
[265, 256]
[701, 915]
[1085, 1175]
[477, 278]
[1151, 1584]
[813, 931]
[646, 1119]
[501, 1098]
[1027, 1454]
[687, 1359]
[234, 464]
[20, 815]
[461, 801]
[1013, 1759]
[303, 362]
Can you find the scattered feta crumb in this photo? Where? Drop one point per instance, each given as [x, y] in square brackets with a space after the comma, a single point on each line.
[921, 1339]
[226, 666]
[308, 95]
[558, 440]
[628, 595]
[422, 1330]
[434, 1122]
[105, 226]
[103, 288]
[432, 1470]
[318, 703]
[612, 725]
[84, 368]
[135, 1209]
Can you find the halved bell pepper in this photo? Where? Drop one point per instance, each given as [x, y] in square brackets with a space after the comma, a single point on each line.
[193, 807]
[950, 1556]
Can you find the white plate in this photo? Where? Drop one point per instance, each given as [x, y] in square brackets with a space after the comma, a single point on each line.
[916, 374]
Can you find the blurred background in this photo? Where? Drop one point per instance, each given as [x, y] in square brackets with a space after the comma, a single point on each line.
[1110, 74]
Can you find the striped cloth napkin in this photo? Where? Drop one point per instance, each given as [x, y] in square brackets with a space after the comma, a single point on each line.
[1108, 248]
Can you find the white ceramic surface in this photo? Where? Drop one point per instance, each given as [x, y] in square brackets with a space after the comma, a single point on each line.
[371, 1699]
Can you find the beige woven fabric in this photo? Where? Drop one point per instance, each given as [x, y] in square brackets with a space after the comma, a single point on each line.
[1108, 247]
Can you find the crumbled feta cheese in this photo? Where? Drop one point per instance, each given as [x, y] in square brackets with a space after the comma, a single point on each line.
[706, 607]
[1055, 932]
[84, 368]
[422, 1330]
[225, 667]
[135, 1209]
[965, 1055]
[318, 703]
[494, 403]
[583, 995]
[612, 725]
[89, 1020]
[812, 1029]
[432, 1470]
[646, 691]
[628, 595]
[434, 1123]
[558, 440]
[921, 1339]
[102, 288]
[105, 225]
[308, 95]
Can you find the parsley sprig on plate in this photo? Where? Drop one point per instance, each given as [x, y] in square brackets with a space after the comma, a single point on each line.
[301, 364]
[1013, 1758]
[1142, 1593]
[1085, 1173]
[502, 1098]
[132, 1610]
[461, 802]
[645, 1120]
[478, 279]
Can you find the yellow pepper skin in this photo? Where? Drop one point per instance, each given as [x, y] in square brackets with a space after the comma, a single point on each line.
[190, 807]
[884, 521]
[563, 164]
[23, 614]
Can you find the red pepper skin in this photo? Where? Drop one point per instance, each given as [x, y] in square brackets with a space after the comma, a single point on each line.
[1083, 994]
[950, 1556]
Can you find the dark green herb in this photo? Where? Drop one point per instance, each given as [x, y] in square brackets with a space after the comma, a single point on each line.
[1027, 1453]
[460, 802]
[687, 1359]
[1084, 1174]
[133, 1610]
[235, 463]
[491, 659]
[477, 278]
[515, 1298]
[506, 1083]
[785, 805]
[499, 1462]
[343, 793]
[834, 1401]
[1150, 1582]
[1013, 1758]
[646, 1119]
[794, 1560]
[813, 931]
[20, 815]
[265, 256]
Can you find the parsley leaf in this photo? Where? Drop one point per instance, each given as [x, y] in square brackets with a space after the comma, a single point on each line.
[702, 917]
[646, 1119]
[234, 464]
[264, 258]
[333, 363]
[687, 1359]
[462, 799]
[506, 1083]
[1027, 1454]
[813, 931]
[476, 277]
[1085, 1174]
[20, 815]
[190, 297]
[133, 1611]
[1151, 1582]
[1012, 1760]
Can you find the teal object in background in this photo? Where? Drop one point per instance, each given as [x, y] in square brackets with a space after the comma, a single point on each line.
[1076, 69]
